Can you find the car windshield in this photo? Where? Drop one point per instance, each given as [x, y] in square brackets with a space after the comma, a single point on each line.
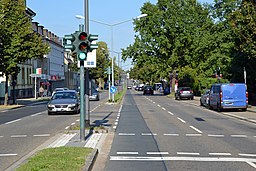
[64, 95]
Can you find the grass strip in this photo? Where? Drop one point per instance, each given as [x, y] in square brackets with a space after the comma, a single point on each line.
[57, 159]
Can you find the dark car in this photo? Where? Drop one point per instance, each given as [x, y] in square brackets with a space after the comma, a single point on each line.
[66, 101]
[184, 93]
[204, 99]
[148, 90]
[95, 96]
[167, 90]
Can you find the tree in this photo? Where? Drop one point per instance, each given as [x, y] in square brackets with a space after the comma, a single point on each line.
[19, 41]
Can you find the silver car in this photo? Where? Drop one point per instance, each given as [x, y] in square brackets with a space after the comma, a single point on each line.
[204, 99]
[66, 101]
[95, 96]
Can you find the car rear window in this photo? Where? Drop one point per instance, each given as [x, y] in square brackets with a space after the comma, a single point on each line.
[186, 89]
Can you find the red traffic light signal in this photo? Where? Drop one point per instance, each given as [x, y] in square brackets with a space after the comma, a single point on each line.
[83, 45]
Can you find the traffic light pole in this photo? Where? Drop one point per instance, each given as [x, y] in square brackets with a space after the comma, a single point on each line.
[82, 117]
[86, 25]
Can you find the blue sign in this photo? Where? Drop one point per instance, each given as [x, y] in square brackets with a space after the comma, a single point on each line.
[113, 89]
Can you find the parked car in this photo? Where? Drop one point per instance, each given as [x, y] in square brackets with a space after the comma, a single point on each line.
[148, 90]
[141, 87]
[228, 96]
[129, 87]
[204, 99]
[66, 101]
[184, 93]
[95, 96]
[167, 90]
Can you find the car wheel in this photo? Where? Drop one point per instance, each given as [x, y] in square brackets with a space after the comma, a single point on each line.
[244, 109]
[201, 104]
[192, 98]
[50, 113]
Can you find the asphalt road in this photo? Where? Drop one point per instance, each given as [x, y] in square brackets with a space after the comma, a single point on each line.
[160, 133]
[25, 129]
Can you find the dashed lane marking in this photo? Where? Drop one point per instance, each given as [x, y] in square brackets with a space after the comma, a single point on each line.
[150, 134]
[127, 152]
[197, 130]
[18, 136]
[171, 134]
[181, 120]
[220, 154]
[7, 155]
[126, 134]
[12, 121]
[42, 135]
[193, 135]
[239, 136]
[215, 135]
[247, 155]
[188, 153]
[157, 153]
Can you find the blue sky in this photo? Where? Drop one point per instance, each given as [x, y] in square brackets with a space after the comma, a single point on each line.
[58, 16]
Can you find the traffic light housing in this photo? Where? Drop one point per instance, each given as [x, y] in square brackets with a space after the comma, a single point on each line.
[92, 39]
[82, 45]
[71, 38]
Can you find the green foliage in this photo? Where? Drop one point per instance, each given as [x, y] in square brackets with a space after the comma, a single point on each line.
[19, 41]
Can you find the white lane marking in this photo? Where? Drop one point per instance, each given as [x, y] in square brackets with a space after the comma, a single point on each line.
[4, 111]
[247, 155]
[187, 153]
[171, 134]
[163, 108]
[130, 134]
[181, 120]
[36, 114]
[6, 155]
[116, 123]
[170, 113]
[62, 141]
[116, 120]
[77, 120]
[42, 135]
[215, 135]
[152, 153]
[220, 154]
[12, 121]
[67, 127]
[114, 127]
[127, 152]
[197, 130]
[202, 159]
[251, 163]
[73, 123]
[158, 105]
[18, 136]
[1, 136]
[153, 102]
[193, 135]
[239, 136]
[148, 134]
[119, 111]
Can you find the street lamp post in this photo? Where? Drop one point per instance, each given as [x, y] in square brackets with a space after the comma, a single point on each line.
[112, 41]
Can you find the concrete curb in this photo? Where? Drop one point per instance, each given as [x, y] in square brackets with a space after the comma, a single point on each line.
[90, 160]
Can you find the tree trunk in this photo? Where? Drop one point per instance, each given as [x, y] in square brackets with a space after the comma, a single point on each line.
[6, 89]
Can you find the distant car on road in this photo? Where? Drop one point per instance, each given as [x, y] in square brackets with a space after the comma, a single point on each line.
[204, 99]
[148, 90]
[66, 101]
[129, 87]
[184, 93]
[59, 89]
[95, 96]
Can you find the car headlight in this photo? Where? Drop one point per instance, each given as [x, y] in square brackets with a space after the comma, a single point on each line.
[72, 105]
[50, 105]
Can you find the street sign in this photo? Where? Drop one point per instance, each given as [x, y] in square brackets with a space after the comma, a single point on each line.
[35, 75]
[113, 89]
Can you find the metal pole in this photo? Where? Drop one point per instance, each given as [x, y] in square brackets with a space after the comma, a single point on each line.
[35, 88]
[86, 25]
[82, 125]
[109, 97]
[113, 77]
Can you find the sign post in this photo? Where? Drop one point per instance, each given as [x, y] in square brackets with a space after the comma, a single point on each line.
[35, 75]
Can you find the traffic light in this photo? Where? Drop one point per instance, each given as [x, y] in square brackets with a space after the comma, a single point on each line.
[92, 39]
[71, 38]
[81, 43]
